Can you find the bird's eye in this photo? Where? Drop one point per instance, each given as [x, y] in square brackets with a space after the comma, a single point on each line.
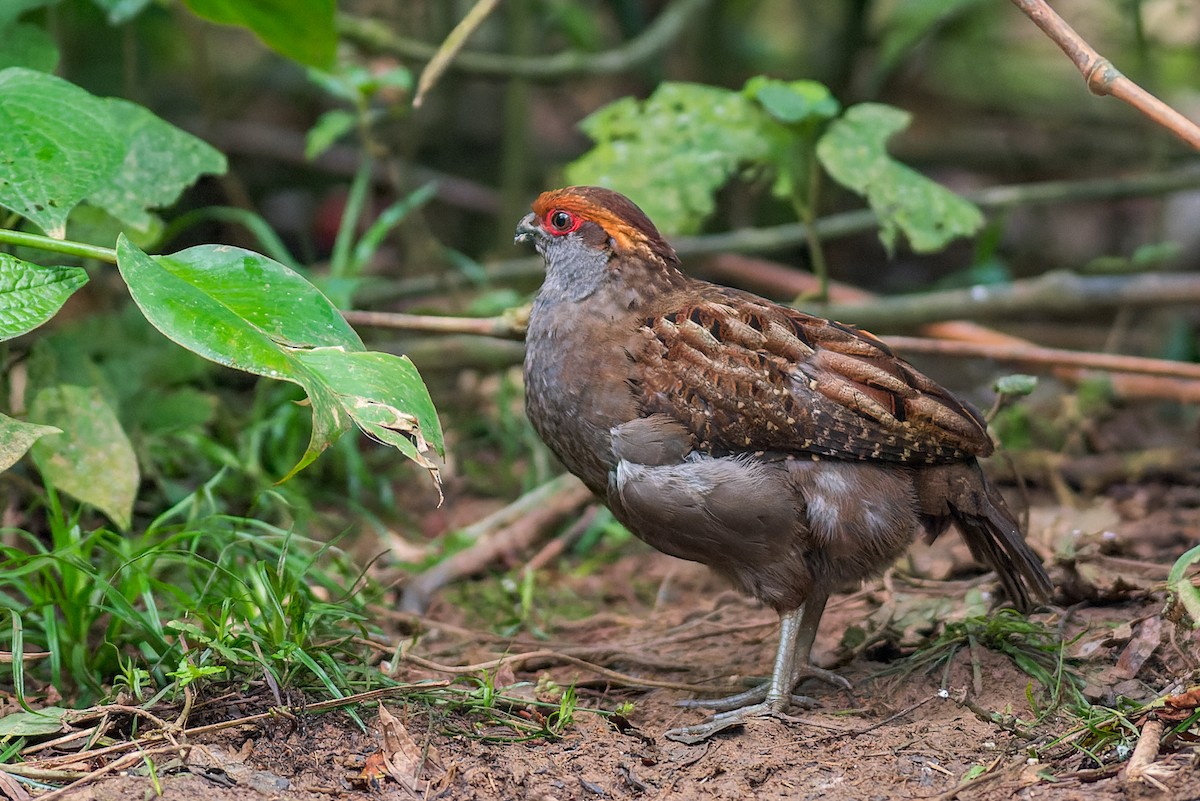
[562, 222]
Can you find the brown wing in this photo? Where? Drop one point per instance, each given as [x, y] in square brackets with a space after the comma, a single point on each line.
[744, 374]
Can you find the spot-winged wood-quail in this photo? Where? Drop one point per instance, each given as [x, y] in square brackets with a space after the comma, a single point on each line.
[790, 453]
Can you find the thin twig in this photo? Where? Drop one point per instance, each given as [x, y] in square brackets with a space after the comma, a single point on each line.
[1102, 77]
[451, 47]
[623, 679]
[1059, 293]
[657, 36]
[504, 326]
[320, 706]
[1033, 355]
[532, 518]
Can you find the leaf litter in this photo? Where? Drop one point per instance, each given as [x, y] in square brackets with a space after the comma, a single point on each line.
[1057, 719]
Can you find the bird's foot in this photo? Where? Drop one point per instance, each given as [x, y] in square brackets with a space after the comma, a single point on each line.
[758, 693]
[821, 674]
[754, 695]
[691, 735]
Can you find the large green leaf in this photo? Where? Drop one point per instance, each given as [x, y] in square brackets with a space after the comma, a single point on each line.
[30, 295]
[243, 310]
[160, 162]
[233, 306]
[58, 144]
[92, 460]
[853, 152]
[16, 438]
[302, 30]
[671, 152]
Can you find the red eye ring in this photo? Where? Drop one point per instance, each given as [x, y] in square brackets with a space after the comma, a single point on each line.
[559, 222]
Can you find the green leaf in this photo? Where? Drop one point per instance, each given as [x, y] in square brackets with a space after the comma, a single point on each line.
[30, 295]
[1015, 384]
[92, 460]
[853, 153]
[384, 395]
[1184, 587]
[233, 306]
[696, 137]
[27, 46]
[41, 723]
[793, 101]
[58, 145]
[245, 311]
[330, 127]
[160, 162]
[302, 30]
[16, 438]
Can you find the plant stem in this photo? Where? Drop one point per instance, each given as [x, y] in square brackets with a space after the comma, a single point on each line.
[806, 209]
[63, 246]
[371, 35]
[339, 261]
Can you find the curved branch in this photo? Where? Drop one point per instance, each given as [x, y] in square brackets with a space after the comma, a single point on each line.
[1102, 77]
[643, 47]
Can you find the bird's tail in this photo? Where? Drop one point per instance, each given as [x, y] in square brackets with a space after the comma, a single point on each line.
[960, 494]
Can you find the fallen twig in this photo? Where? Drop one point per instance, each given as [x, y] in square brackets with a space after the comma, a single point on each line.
[510, 530]
[623, 679]
[1141, 766]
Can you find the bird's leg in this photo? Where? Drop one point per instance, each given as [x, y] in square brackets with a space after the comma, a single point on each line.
[804, 634]
[802, 667]
[773, 701]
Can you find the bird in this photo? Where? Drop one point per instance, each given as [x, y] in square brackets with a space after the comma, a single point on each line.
[792, 454]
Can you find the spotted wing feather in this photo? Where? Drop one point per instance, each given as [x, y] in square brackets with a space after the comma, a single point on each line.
[743, 374]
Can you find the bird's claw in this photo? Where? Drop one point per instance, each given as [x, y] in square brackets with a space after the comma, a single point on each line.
[692, 735]
[754, 695]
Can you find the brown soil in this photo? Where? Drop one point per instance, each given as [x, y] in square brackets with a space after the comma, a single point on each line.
[646, 615]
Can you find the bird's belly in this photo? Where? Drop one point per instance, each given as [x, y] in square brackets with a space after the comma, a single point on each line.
[776, 529]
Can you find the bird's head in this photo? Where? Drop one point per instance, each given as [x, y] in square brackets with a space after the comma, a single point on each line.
[593, 223]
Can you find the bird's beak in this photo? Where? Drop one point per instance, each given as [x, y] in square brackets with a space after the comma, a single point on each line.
[527, 229]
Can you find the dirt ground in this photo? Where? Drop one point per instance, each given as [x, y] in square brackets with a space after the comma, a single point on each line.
[959, 731]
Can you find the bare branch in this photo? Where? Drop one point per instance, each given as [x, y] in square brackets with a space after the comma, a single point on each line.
[1102, 77]
[653, 40]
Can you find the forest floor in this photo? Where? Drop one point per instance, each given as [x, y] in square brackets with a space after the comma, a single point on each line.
[922, 722]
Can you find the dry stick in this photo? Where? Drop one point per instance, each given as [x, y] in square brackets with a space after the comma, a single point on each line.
[1047, 357]
[532, 514]
[116, 765]
[321, 706]
[1102, 77]
[1058, 292]
[504, 326]
[1140, 767]
[657, 36]
[623, 679]
[450, 48]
